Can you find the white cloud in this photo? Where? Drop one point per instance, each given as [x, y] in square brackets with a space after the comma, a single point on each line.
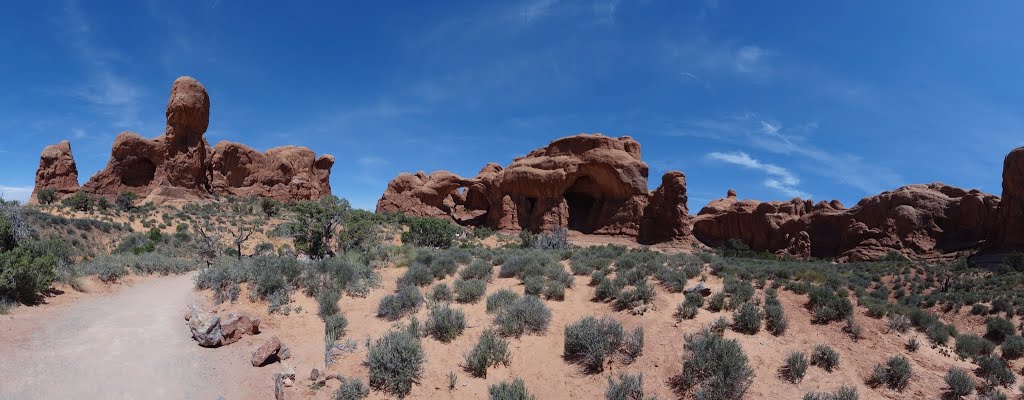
[19, 193]
[78, 133]
[779, 178]
[754, 131]
[748, 58]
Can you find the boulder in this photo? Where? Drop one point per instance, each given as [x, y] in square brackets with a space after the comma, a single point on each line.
[267, 352]
[57, 171]
[205, 327]
[283, 173]
[235, 325]
[279, 387]
[666, 217]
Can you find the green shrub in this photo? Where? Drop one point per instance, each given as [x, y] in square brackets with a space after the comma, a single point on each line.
[938, 333]
[591, 341]
[327, 302]
[628, 387]
[899, 323]
[556, 239]
[607, 289]
[827, 305]
[796, 367]
[998, 329]
[395, 306]
[46, 196]
[633, 344]
[500, 299]
[995, 371]
[747, 319]
[418, 274]
[895, 373]
[960, 382]
[24, 273]
[125, 201]
[490, 351]
[430, 232]
[515, 390]
[351, 389]
[533, 285]
[979, 309]
[684, 311]
[714, 367]
[641, 293]
[395, 362]
[971, 346]
[441, 292]
[842, 393]
[554, 290]
[469, 291]
[79, 201]
[527, 314]
[445, 323]
[334, 326]
[913, 344]
[716, 302]
[1013, 347]
[825, 357]
[478, 269]
[775, 319]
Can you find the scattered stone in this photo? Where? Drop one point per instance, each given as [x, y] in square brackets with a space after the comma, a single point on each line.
[205, 327]
[699, 288]
[267, 352]
[278, 387]
[314, 375]
[285, 352]
[238, 324]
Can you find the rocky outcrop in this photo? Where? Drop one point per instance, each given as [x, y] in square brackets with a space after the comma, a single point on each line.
[589, 183]
[1010, 232]
[57, 171]
[283, 173]
[180, 164]
[919, 221]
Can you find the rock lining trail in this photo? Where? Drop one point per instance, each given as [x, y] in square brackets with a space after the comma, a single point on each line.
[130, 344]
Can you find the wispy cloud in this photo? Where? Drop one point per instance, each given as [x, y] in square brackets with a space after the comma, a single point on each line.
[19, 193]
[107, 91]
[372, 161]
[779, 178]
[536, 9]
[764, 134]
[706, 57]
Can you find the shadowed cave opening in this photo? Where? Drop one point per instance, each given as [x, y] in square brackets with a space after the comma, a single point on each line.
[137, 172]
[582, 198]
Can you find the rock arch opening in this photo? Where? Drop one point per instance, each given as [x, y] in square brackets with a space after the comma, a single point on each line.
[583, 199]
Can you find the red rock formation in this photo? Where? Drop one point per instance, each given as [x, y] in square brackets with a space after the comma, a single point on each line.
[916, 220]
[588, 183]
[667, 218]
[1010, 231]
[57, 171]
[180, 164]
[283, 173]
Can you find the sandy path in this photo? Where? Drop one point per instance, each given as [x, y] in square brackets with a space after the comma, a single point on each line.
[130, 344]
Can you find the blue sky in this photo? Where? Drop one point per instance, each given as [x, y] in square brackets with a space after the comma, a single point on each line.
[804, 98]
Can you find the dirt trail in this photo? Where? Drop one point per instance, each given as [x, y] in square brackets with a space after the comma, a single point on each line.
[131, 344]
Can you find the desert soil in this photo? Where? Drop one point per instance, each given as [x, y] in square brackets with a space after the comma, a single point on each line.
[129, 342]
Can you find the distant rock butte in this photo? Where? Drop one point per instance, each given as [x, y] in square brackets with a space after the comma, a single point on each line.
[181, 165]
[598, 184]
[589, 183]
[917, 221]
